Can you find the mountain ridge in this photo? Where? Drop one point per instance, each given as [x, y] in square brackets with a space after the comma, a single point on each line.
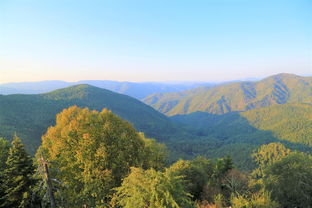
[238, 96]
[137, 90]
[30, 115]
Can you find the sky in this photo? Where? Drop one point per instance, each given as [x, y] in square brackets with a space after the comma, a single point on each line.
[160, 40]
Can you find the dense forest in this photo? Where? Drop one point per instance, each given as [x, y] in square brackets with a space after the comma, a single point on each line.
[96, 159]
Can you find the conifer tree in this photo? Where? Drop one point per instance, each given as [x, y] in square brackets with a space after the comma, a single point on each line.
[4, 149]
[17, 176]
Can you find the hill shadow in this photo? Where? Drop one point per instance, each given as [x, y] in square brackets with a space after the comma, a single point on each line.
[226, 134]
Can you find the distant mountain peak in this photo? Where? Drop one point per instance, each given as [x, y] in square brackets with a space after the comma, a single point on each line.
[284, 76]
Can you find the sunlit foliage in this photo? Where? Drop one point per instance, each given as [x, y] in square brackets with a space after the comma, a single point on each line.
[90, 152]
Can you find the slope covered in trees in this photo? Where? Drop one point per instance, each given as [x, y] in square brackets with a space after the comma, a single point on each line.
[30, 115]
[238, 134]
[237, 96]
[290, 122]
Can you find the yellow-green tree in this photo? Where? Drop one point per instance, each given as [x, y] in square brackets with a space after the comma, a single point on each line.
[257, 200]
[265, 156]
[90, 152]
[269, 153]
[152, 189]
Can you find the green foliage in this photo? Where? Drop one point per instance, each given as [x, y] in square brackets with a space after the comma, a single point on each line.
[287, 122]
[4, 150]
[17, 176]
[223, 166]
[238, 134]
[257, 200]
[155, 154]
[196, 174]
[94, 151]
[202, 177]
[270, 153]
[290, 180]
[266, 156]
[152, 189]
[285, 174]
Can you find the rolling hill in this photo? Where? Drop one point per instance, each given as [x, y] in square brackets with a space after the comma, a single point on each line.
[30, 115]
[238, 96]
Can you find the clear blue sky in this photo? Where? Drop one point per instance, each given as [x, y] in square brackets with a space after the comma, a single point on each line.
[160, 40]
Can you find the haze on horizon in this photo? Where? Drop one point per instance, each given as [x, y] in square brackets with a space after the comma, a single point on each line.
[215, 40]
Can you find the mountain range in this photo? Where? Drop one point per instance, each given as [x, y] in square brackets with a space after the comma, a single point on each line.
[237, 96]
[228, 119]
[137, 90]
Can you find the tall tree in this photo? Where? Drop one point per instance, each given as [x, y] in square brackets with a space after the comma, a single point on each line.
[18, 176]
[93, 151]
[265, 156]
[4, 150]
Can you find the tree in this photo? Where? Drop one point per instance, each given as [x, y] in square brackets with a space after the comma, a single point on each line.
[4, 150]
[257, 200]
[152, 189]
[154, 154]
[235, 183]
[18, 176]
[196, 174]
[222, 167]
[269, 153]
[290, 180]
[90, 152]
[265, 156]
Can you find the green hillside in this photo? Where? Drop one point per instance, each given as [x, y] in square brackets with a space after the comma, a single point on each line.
[29, 116]
[238, 96]
[292, 123]
[238, 134]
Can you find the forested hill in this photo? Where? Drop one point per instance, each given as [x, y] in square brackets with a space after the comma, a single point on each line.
[239, 133]
[29, 116]
[290, 122]
[238, 96]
